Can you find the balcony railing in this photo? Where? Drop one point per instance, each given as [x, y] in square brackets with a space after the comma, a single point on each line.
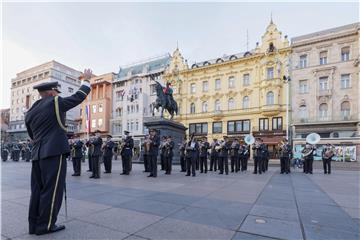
[336, 118]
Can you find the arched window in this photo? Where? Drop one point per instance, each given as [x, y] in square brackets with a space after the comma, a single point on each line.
[204, 107]
[217, 105]
[269, 98]
[231, 104]
[303, 112]
[245, 103]
[192, 108]
[323, 111]
[345, 109]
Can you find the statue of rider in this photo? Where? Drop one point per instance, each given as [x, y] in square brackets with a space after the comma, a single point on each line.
[168, 91]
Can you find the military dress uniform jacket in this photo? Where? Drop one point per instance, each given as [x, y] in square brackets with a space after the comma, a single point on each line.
[128, 146]
[46, 128]
[154, 146]
[78, 146]
[108, 151]
[204, 149]
[169, 149]
[97, 143]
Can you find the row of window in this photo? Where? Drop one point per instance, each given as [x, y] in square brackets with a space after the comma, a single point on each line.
[324, 83]
[231, 82]
[238, 126]
[323, 57]
[35, 77]
[231, 103]
[323, 110]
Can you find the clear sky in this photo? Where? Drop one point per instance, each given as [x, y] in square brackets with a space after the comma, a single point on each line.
[104, 36]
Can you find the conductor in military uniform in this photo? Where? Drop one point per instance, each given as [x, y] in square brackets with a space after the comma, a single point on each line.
[126, 153]
[45, 125]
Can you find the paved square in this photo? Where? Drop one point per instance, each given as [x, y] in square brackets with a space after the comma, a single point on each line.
[209, 206]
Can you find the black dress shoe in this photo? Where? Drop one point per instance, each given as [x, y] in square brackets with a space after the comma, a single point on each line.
[96, 177]
[53, 229]
[122, 173]
[150, 175]
[187, 175]
[92, 177]
[107, 172]
[89, 171]
[32, 230]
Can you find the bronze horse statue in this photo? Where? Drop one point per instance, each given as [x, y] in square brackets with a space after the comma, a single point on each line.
[165, 102]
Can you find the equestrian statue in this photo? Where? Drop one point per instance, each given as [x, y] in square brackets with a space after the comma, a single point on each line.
[165, 100]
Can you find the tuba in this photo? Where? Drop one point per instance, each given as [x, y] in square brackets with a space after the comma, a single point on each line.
[312, 138]
[249, 139]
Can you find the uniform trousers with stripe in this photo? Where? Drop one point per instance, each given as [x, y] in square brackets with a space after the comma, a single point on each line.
[47, 188]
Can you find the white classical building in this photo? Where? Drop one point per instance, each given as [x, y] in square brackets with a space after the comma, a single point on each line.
[325, 89]
[133, 95]
[23, 95]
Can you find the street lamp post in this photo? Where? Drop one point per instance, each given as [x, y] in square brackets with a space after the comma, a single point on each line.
[287, 80]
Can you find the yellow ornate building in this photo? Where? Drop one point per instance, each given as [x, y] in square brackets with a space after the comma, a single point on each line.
[237, 94]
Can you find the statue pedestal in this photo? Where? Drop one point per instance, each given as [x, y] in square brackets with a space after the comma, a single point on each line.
[171, 128]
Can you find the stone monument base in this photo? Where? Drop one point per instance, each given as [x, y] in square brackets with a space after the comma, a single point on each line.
[171, 128]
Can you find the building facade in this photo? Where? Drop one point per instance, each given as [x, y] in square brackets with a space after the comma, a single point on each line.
[237, 94]
[134, 95]
[99, 103]
[23, 95]
[4, 124]
[325, 89]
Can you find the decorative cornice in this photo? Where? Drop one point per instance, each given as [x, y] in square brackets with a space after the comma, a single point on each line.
[246, 92]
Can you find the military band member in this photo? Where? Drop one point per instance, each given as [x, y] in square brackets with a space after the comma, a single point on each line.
[192, 150]
[127, 153]
[214, 155]
[244, 153]
[169, 146]
[224, 155]
[22, 151]
[162, 152]
[4, 153]
[154, 151]
[16, 152]
[182, 155]
[234, 156]
[77, 155]
[258, 156]
[327, 155]
[285, 152]
[90, 150]
[96, 155]
[45, 125]
[203, 155]
[265, 156]
[28, 148]
[308, 152]
[108, 154]
[146, 149]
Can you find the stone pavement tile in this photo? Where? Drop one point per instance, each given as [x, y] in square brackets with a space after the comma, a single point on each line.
[77, 230]
[87, 192]
[77, 208]
[177, 229]
[288, 214]
[317, 232]
[4, 237]
[248, 236]
[173, 198]
[122, 220]
[135, 237]
[14, 219]
[271, 202]
[25, 201]
[197, 191]
[15, 193]
[346, 200]
[353, 212]
[272, 228]
[224, 204]
[312, 197]
[235, 195]
[327, 215]
[214, 217]
[135, 192]
[152, 207]
[111, 199]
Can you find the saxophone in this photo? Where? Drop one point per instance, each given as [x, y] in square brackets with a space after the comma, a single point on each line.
[329, 153]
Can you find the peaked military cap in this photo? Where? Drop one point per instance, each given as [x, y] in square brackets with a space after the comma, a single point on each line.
[47, 86]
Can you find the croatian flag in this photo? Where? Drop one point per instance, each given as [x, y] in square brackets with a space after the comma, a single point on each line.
[87, 111]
